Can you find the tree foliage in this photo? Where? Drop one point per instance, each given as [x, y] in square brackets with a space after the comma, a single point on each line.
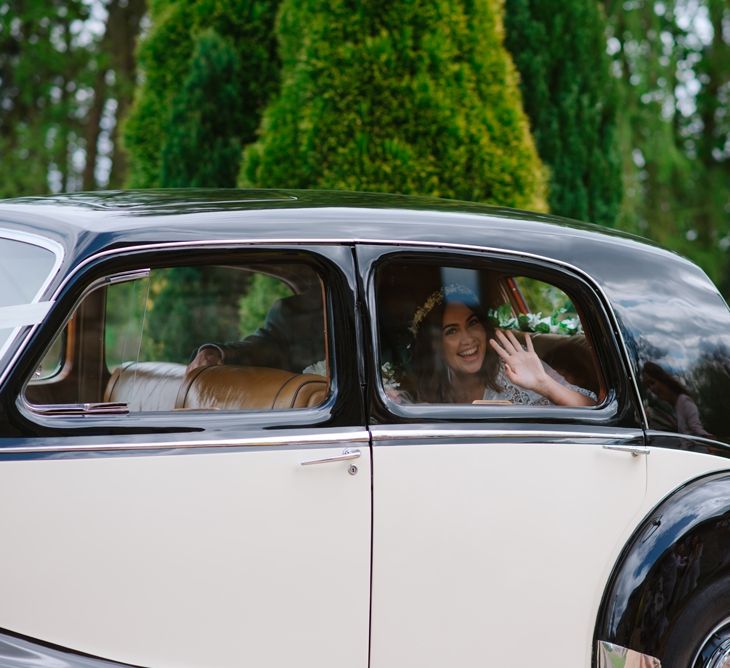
[559, 48]
[409, 97]
[189, 306]
[673, 64]
[202, 146]
[186, 108]
[65, 78]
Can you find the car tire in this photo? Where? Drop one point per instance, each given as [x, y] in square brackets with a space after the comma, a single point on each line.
[700, 636]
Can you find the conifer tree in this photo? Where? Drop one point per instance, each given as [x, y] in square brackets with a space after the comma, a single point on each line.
[191, 47]
[201, 145]
[559, 48]
[409, 97]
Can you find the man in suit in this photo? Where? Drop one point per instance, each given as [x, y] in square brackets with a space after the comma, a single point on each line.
[291, 338]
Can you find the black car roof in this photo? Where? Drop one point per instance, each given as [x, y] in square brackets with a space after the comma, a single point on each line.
[87, 222]
[657, 295]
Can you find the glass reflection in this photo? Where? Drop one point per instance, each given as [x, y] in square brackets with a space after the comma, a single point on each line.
[671, 403]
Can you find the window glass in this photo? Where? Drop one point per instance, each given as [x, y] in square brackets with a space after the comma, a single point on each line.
[52, 360]
[193, 338]
[23, 269]
[480, 335]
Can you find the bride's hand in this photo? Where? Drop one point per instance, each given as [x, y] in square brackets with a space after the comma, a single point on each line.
[522, 366]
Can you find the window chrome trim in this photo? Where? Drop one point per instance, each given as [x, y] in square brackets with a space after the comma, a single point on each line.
[399, 245]
[58, 252]
[324, 439]
[402, 246]
[430, 434]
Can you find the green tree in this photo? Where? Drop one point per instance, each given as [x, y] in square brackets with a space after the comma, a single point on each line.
[254, 306]
[201, 144]
[65, 78]
[671, 59]
[192, 46]
[559, 48]
[41, 61]
[189, 306]
[409, 97]
[711, 137]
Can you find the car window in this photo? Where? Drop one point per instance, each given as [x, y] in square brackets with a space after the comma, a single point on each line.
[190, 338]
[481, 335]
[24, 267]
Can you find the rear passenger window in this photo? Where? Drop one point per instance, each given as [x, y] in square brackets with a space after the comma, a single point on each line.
[242, 338]
[481, 335]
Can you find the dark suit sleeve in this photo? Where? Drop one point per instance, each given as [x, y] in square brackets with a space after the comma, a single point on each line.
[291, 338]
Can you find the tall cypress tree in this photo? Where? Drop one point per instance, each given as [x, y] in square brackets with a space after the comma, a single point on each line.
[399, 96]
[559, 47]
[192, 47]
[201, 143]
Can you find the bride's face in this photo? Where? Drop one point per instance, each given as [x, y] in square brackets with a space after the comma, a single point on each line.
[463, 338]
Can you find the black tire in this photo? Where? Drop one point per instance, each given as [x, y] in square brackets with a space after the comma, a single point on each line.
[701, 633]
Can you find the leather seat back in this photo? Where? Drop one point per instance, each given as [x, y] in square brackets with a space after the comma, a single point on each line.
[146, 386]
[160, 386]
[253, 388]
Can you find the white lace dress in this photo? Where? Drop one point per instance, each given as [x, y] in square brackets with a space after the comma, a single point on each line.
[518, 395]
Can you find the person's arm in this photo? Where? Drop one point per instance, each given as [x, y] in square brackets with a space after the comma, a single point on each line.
[524, 368]
[290, 338]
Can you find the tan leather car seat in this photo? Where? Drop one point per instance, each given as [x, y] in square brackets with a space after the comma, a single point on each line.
[252, 388]
[164, 386]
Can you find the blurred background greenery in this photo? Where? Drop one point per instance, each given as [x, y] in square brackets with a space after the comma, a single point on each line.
[614, 111]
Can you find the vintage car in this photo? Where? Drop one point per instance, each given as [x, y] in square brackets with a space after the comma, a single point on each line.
[219, 446]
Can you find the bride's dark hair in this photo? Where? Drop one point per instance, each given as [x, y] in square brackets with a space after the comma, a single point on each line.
[433, 375]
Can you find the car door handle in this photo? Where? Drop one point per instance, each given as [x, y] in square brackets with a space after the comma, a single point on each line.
[635, 450]
[346, 455]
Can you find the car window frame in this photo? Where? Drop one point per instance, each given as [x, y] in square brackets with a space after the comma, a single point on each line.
[599, 320]
[87, 275]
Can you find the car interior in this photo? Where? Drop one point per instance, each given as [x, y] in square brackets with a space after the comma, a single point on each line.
[402, 286]
[127, 344]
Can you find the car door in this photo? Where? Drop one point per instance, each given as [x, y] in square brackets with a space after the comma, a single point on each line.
[495, 526]
[163, 517]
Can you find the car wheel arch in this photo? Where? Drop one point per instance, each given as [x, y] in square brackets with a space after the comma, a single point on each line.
[680, 548]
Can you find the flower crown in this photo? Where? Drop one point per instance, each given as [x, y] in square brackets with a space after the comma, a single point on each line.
[435, 299]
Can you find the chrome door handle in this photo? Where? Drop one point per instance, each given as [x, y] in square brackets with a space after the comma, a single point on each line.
[635, 450]
[346, 455]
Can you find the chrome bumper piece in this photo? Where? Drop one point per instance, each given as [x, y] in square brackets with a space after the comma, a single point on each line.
[615, 656]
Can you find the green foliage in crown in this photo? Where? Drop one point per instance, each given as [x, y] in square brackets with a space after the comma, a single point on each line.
[396, 96]
[570, 96]
[209, 68]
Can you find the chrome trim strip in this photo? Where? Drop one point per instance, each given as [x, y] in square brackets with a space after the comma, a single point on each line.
[615, 656]
[398, 245]
[256, 441]
[405, 434]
